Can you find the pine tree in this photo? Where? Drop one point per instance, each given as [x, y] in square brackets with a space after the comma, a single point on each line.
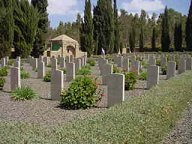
[39, 44]
[189, 29]
[165, 37]
[116, 29]
[178, 37]
[141, 40]
[6, 27]
[153, 40]
[87, 30]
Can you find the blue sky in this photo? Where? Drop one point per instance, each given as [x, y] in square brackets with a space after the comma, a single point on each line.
[66, 10]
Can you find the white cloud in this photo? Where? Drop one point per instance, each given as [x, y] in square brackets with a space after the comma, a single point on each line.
[135, 6]
[62, 7]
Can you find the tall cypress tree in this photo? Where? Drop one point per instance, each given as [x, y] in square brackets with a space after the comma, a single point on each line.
[103, 21]
[153, 40]
[189, 29]
[116, 29]
[178, 37]
[141, 40]
[165, 37]
[132, 39]
[6, 27]
[87, 30]
[39, 44]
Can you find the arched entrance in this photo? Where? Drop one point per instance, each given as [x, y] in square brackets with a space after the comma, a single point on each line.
[71, 50]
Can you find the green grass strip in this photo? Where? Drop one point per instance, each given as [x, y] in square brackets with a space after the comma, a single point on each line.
[141, 120]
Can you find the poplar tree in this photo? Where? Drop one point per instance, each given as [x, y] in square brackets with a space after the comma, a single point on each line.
[188, 32]
[165, 37]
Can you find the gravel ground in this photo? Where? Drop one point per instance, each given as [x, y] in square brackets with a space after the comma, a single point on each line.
[182, 133]
[45, 111]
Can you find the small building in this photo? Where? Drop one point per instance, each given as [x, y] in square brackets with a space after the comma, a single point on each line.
[63, 45]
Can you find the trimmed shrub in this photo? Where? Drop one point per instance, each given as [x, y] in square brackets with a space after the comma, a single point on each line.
[2, 82]
[81, 94]
[3, 71]
[130, 81]
[158, 63]
[116, 69]
[10, 62]
[23, 93]
[49, 65]
[164, 70]
[24, 74]
[47, 77]
[84, 71]
[143, 76]
[91, 62]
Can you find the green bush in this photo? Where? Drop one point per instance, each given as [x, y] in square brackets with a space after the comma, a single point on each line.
[3, 71]
[84, 71]
[2, 82]
[81, 94]
[47, 77]
[23, 93]
[158, 63]
[64, 70]
[130, 81]
[10, 62]
[164, 70]
[49, 65]
[91, 62]
[116, 69]
[143, 76]
[24, 74]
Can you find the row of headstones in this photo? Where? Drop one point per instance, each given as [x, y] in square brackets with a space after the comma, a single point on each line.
[4, 61]
[57, 75]
[115, 82]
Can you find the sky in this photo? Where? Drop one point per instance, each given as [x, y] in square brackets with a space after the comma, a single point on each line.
[66, 10]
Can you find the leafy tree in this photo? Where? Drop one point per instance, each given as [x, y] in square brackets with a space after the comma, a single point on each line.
[6, 27]
[165, 38]
[26, 19]
[189, 29]
[178, 37]
[39, 44]
[87, 30]
[153, 40]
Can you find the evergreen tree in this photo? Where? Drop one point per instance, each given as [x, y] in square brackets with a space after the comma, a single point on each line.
[132, 39]
[153, 40]
[103, 21]
[178, 37]
[116, 29]
[39, 44]
[6, 27]
[26, 19]
[141, 40]
[87, 30]
[165, 37]
[189, 29]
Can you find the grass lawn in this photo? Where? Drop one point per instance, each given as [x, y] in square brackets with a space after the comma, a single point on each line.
[145, 119]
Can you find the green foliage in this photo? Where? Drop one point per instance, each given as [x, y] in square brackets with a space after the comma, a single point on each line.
[10, 62]
[164, 70]
[130, 81]
[84, 71]
[23, 93]
[49, 65]
[116, 29]
[143, 76]
[153, 40]
[39, 43]
[81, 94]
[165, 37]
[2, 82]
[178, 37]
[116, 69]
[26, 19]
[87, 30]
[3, 71]
[91, 62]
[188, 29]
[141, 40]
[47, 77]
[132, 39]
[24, 74]
[64, 70]
[158, 62]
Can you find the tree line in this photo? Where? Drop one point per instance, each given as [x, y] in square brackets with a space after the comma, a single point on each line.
[23, 26]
